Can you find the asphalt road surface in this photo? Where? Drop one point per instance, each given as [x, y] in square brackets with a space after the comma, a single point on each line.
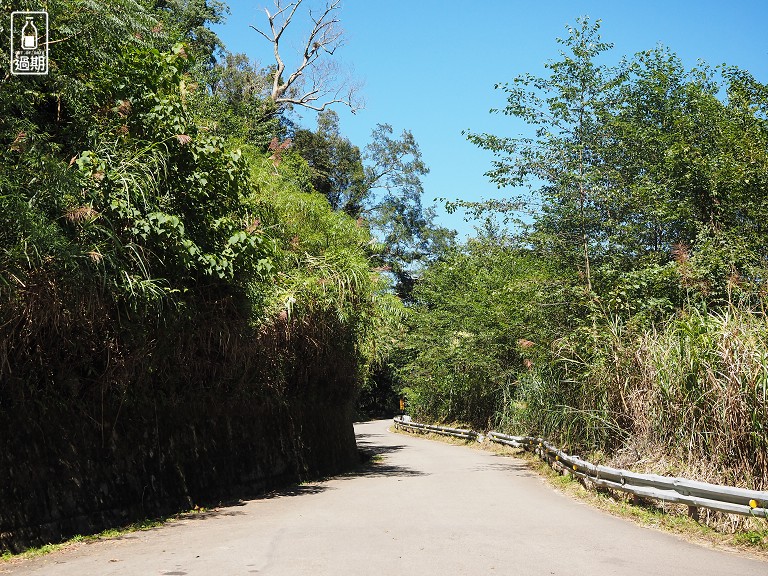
[423, 508]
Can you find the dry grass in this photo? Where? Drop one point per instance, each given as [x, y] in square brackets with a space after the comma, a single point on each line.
[689, 398]
[698, 392]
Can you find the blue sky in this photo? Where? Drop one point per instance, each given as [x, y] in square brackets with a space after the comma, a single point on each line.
[429, 66]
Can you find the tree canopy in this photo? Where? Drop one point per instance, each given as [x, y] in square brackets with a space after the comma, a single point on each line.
[600, 319]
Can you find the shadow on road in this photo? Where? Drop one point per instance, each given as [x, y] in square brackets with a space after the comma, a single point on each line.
[372, 465]
[517, 467]
[302, 490]
[373, 462]
[296, 490]
[224, 509]
[377, 469]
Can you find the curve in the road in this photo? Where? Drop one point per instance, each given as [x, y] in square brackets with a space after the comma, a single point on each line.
[420, 507]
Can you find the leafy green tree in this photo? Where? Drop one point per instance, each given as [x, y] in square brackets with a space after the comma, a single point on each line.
[688, 170]
[230, 100]
[406, 229]
[336, 164]
[563, 159]
[381, 186]
[482, 316]
[188, 20]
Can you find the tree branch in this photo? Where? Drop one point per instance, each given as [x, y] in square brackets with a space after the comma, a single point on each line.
[324, 38]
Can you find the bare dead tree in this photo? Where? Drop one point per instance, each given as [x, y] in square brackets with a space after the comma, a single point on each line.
[316, 82]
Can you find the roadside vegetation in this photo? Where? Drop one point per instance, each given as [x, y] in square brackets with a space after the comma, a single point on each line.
[173, 234]
[617, 305]
[154, 180]
[194, 287]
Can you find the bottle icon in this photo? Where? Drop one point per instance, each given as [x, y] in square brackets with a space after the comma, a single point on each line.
[29, 35]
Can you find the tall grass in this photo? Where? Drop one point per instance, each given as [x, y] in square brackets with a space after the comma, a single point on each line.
[568, 411]
[690, 395]
[700, 390]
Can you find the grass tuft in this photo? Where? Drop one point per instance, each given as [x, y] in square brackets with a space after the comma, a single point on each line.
[109, 534]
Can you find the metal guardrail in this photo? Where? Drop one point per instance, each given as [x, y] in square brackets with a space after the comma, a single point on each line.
[401, 422]
[692, 493]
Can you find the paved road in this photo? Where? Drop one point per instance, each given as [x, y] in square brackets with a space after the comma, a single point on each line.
[426, 508]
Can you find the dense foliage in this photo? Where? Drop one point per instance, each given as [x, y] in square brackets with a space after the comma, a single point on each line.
[151, 231]
[381, 186]
[627, 311]
[166, 229]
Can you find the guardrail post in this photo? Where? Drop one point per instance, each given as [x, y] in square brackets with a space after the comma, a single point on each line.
[693, 513]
